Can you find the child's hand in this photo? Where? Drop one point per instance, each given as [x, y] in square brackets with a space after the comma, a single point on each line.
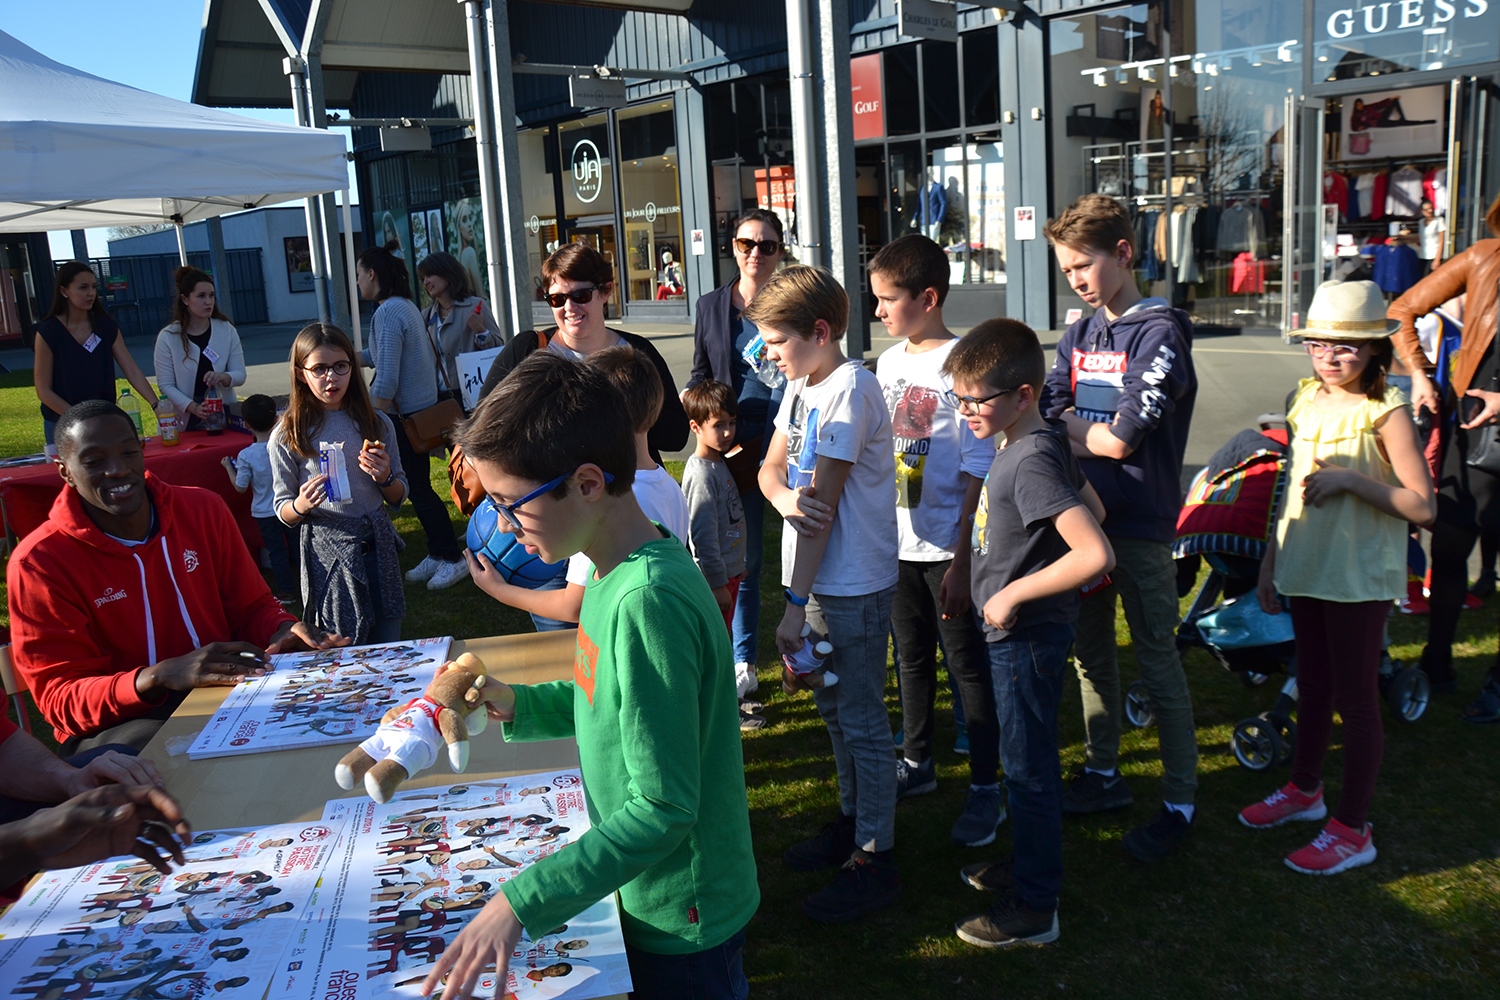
[789, 633]
[375, 460]
[1326, 483]
[804, 512]
[1000, 610]
[721, 595]
[487, 942]
[1265, 589]
[313, 493]
[228, 464]
[498, 698]
[486, 577]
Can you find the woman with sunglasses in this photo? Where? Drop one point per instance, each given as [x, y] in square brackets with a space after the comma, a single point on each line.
[576, 282]
[406, 382]
[721, 341]
[1468, 497]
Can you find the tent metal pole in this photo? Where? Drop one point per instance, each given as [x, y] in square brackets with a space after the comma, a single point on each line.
[359, 337]
[803, 67]
[519, 289]
[181, 244]
[294, 67]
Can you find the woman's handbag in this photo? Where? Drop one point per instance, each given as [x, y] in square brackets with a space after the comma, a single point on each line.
[466, 491]
[429, 429]
[1484, 442]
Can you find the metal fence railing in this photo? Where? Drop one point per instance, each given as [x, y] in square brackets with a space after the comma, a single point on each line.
[138, 290]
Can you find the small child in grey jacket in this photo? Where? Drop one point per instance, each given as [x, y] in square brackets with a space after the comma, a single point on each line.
[716, 516]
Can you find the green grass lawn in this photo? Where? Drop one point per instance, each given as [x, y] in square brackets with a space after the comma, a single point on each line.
[1223, 918]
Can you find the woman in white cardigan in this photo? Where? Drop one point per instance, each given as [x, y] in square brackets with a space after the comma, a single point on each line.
[198, 349]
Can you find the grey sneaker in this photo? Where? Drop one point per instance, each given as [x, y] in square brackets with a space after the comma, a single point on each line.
[983, 812]
[1009, 923]
[917, 780]
[990, 876]
[1091, 793]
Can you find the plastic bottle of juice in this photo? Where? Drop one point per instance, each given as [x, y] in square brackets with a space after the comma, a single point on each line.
[132, 408]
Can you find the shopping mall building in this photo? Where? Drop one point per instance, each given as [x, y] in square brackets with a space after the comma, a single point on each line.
[1250, 139]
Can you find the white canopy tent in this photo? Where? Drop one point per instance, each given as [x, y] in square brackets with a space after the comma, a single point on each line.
[78, 151]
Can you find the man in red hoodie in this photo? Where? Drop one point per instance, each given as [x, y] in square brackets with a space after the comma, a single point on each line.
[134, 593]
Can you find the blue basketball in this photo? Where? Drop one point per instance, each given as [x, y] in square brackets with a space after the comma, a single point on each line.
[510, 557]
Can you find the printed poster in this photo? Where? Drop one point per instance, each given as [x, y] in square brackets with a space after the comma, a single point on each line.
[320, 697]
[213, 929]
[410, 874]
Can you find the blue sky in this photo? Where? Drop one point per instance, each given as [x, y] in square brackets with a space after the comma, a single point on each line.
[150, 44]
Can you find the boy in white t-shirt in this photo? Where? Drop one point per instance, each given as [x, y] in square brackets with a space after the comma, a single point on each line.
[658, 494]
[836, 492]
[940, 470]
[251, 470]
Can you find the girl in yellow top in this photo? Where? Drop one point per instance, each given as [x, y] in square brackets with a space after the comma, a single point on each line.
[1356, 477]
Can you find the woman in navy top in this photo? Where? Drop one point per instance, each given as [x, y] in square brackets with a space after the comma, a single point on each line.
[77, 347]
[719, 343]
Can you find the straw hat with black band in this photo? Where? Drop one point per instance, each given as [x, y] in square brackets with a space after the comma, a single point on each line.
[1347, 310]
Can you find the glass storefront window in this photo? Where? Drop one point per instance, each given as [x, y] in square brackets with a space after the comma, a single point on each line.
[985, 196]
[652, 204]
[589, 191]
[981, 78]
[940, 86]
[538, 155]
[903, 113]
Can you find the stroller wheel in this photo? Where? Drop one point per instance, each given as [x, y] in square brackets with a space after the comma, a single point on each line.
[1287, 730]
[1408, 694]
[1256, 744]
[1138, 706]
[1251, 679]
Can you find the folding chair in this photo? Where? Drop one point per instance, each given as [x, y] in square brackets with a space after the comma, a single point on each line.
[15, 688]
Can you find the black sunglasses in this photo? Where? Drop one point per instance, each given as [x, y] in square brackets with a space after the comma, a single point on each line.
[766, 247]
[582, 296]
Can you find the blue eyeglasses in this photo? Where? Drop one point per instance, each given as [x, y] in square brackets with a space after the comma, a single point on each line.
[508, 510]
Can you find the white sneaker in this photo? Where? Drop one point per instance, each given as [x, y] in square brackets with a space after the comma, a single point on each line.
[448, 574]
[422, 571]
[745, 680]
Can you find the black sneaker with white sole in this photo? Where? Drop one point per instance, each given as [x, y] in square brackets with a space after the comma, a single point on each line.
[1007, 924]
[989, 876]
[865, 884]
[917, 780]
[830, 848]
[1090, 792]
[1158, 838]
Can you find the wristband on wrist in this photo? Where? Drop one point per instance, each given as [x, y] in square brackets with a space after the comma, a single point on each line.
[792, 598]
[389, 480]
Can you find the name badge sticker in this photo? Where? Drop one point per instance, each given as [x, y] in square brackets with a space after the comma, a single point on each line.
[211, 355]
[93, 342]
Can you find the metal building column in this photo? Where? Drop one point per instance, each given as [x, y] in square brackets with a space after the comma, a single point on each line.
[484, 146]
[223, 287]
[1024, 116]
[697, 204]
[295, 69]
[512, 233]
[840, 209]
[802, 64]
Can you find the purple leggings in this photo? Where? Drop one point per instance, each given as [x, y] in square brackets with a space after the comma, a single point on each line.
[1338, 663]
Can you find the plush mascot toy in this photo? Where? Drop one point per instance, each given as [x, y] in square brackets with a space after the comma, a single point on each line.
[411, 735]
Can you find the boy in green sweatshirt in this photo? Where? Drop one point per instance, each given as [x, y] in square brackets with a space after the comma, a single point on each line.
[652, 703]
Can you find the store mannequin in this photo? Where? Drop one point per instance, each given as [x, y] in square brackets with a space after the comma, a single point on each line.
[669, 280]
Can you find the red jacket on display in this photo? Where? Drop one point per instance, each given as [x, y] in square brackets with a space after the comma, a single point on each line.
[87, 612]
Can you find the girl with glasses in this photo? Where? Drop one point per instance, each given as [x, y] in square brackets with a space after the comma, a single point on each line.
[721, 338]
[351, 570]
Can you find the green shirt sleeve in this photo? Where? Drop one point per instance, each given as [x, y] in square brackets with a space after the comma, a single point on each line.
[659, 675]
[543, 712]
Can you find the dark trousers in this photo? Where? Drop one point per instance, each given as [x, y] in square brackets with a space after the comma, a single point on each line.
[134, 733]
[442, 544]
[712, 974]
[918, 624]
[1027, 670]
[280, 549]
[1451, 545]
[1338, 666]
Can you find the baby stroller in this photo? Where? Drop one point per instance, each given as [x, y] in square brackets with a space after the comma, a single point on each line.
[1226, 521]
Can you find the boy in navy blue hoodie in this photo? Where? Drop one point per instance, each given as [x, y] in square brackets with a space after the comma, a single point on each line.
[1123, 385]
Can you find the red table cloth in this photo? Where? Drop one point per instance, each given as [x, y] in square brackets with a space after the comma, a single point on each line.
[28, 491]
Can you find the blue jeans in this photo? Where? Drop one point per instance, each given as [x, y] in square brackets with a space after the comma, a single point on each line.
[855, 714]
[552, 624]
[747, 603]
[712, 974]
[1027, 669]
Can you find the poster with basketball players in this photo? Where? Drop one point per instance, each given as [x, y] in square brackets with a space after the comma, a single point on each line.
[410, 874]
[121, 930]
[320, 697]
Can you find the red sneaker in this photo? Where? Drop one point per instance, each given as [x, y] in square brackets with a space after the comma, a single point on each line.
[1285, 805]
[1336, 849]
[1472, 602]
[1415, 601]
